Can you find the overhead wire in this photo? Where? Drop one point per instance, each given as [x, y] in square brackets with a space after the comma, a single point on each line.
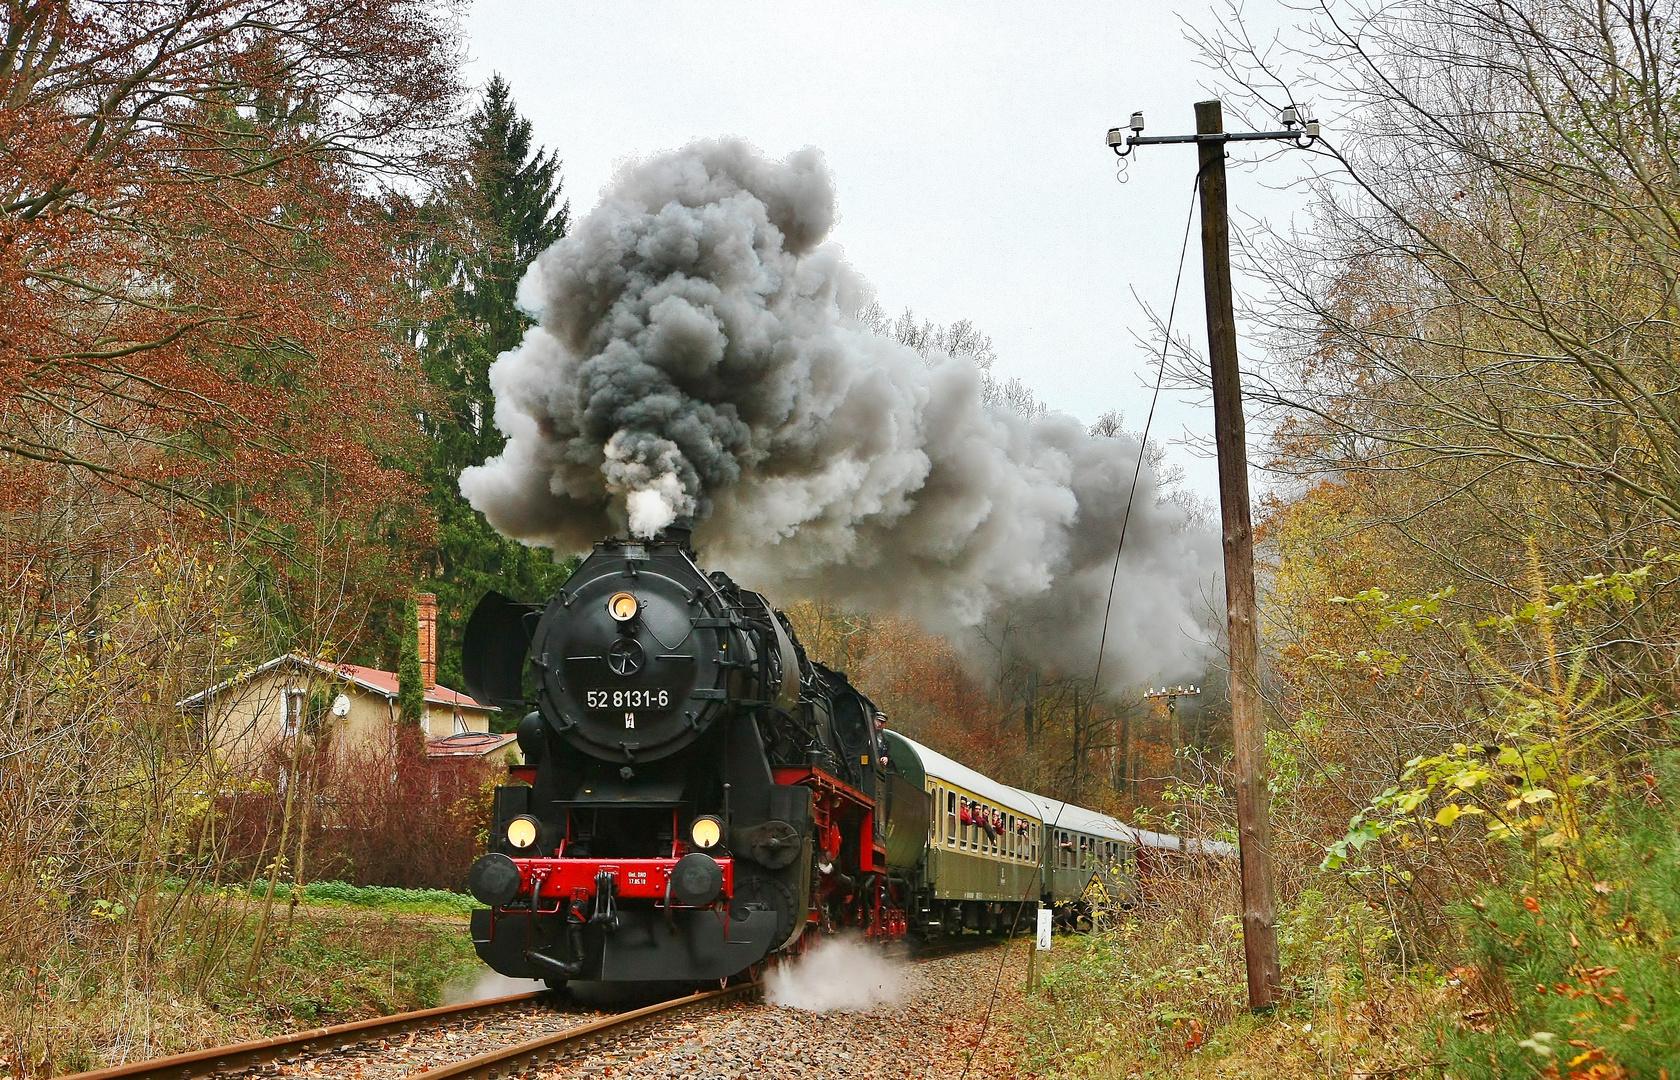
[1114, 577]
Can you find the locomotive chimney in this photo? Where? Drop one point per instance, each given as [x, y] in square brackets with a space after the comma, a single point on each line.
[425, 607]
[681, 532]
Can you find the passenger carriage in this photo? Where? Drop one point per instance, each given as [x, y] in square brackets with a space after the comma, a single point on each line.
[1084, 852]
[982, 841]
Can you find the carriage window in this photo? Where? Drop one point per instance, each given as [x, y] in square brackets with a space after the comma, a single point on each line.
[951, 818]
[1009, 836]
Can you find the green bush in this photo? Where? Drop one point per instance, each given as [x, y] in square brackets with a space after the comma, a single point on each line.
[1580, 977]
[375, 896]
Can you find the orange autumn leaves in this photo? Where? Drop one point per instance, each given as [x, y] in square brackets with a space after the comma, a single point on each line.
[202, 271]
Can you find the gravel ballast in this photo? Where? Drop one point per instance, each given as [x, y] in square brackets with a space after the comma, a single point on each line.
[931, 1032]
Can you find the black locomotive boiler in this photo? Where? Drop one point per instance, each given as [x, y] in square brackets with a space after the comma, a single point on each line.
[700, 794]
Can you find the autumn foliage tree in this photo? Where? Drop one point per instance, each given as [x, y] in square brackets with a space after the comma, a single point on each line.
[197, 295]
[206, 398]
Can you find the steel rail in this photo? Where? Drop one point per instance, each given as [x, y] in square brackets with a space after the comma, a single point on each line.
[238, 1056]
[491, 1065]
[534, 1053]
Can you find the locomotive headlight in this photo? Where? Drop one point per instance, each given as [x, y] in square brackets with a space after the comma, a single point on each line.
[706, 831]
[522, 831]
[623, 607]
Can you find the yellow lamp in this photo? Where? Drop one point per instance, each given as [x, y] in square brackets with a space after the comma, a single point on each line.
[522, 831]
[623, 607]
[706, 831]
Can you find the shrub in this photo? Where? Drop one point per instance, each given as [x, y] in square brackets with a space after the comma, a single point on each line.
[1579, 976]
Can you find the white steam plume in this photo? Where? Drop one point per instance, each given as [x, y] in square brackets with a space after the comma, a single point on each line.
[837, 975]
[698, 354]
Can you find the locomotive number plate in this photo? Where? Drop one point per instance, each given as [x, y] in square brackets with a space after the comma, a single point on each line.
[627, 699]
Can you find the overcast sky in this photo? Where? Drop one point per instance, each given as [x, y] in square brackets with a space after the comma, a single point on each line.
[966, 140]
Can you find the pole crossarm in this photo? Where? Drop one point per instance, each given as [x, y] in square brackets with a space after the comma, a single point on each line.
[1294, 135]
[1302, 133]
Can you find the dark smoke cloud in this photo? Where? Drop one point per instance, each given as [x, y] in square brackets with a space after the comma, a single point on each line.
[699, 354]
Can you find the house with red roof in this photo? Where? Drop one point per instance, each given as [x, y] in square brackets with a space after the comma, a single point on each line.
[260, 711]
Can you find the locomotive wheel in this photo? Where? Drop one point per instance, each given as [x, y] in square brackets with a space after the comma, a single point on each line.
[772, 894]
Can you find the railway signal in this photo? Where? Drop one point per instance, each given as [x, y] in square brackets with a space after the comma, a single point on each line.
[1247, 718]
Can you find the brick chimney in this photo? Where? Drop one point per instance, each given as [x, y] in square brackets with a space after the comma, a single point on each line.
[425, 606]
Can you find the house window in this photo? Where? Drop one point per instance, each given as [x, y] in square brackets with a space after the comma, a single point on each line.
[460, 724]
[296, 702]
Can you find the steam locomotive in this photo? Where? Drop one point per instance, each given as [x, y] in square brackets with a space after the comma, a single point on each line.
[699, 795]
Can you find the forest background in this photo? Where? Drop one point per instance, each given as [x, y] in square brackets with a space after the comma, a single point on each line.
[257, 256]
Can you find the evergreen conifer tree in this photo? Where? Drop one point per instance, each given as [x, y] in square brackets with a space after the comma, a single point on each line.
[503, 211]
[411, 693]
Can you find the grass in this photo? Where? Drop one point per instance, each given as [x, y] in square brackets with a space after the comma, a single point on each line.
[330, 966]
[326, 963]
[1569, 971]
[344, 894]
[1162, 994]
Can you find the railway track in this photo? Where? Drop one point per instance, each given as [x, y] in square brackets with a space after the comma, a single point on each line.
[272, 1055]
[956, 946]
[239, 1057]
[531, 1054]
[374, 1037]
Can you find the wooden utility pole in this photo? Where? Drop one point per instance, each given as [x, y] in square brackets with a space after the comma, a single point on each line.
[1248, 719]
[1171, 695]
[1248, 722]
